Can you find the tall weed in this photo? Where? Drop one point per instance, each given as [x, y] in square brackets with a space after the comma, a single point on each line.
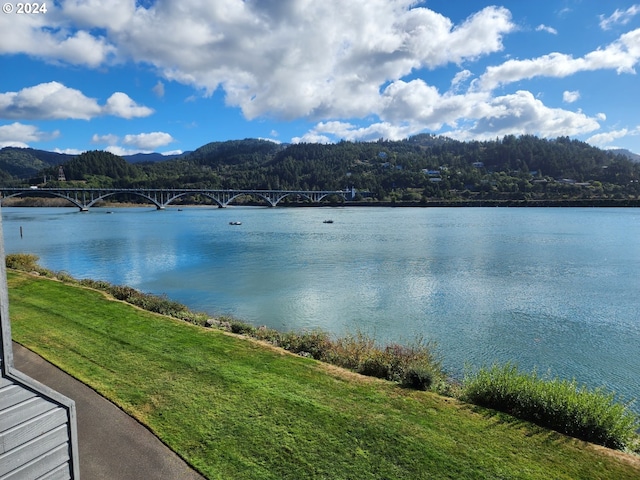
[562, 405]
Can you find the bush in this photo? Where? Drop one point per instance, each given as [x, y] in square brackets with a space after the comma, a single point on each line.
[26, 262]
[418, 378]
[377, 366]
[564, 406]
[315, 343]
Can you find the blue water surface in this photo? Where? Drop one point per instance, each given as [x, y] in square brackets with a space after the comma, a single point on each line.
[557, 289]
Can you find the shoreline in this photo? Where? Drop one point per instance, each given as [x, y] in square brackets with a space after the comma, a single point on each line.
[558, 203]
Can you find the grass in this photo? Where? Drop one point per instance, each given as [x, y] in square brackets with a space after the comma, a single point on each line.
[236, 408]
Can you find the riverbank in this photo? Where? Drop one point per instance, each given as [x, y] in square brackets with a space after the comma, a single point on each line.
[235, 408]
[583, 202]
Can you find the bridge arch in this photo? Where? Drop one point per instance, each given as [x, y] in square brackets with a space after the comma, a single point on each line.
[158, 205]
[45, 193]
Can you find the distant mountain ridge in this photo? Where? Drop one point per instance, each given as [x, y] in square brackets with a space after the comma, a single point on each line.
[419, 168]
[634, 157]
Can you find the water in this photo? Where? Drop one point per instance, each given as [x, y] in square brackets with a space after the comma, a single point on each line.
[555, 289]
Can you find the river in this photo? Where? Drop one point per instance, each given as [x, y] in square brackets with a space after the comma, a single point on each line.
[557, 289]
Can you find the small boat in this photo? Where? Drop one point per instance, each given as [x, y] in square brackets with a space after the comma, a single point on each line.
[327, 221]
[235, 223]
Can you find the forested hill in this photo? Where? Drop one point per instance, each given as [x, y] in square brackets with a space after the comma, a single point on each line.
[419, 168]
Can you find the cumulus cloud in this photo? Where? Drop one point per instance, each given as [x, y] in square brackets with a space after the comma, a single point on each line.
[570, 96]
[621, 17]
[621, 56]
[50, 37]
[148, 141]
[606, 138]
[327, 61]
[522, 113]
[48, 101]
[19, 135]
[68, 151]
[118, 150]
[121, 105]
[53, 100]
[271, 58]
[473, 115]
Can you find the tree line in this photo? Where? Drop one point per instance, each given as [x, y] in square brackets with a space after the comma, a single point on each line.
[420, 168]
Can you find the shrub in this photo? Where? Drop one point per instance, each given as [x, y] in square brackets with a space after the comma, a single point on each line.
[591, 415]
[314, 343]
[377, 365]
[26, 262]
[419, 378]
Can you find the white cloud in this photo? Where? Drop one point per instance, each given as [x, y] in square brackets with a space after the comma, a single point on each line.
[48, 101]
[148, 141]
[68, 151]
[108, 139]
[121, 105]
[570, 96]
[621, 17]
[546, 28]
[326, 60]
[522, 113]
[621, 56]
[53, 100]
[604, 139]
[271, 58]
[120, 151]
[19, 134]
[50, 37]
[158, 89]
[459, 78]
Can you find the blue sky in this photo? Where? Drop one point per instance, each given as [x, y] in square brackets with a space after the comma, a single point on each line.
[170, 76]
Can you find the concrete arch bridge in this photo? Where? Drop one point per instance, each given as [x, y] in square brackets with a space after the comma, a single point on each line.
[85, 198]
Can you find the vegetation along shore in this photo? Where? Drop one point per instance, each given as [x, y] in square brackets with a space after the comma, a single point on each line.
[228, 398]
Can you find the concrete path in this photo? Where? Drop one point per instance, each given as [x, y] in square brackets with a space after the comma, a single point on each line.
[112, 445]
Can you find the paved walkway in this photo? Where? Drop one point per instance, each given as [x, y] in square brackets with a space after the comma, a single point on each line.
[112, 445]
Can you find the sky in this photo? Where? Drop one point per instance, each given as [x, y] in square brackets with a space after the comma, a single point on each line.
[169, 76]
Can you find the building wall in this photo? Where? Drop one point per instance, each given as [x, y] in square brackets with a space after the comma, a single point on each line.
[38, 433]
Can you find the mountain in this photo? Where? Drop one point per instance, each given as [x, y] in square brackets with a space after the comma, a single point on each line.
[28, 162]
[418, 168]
[634, 157]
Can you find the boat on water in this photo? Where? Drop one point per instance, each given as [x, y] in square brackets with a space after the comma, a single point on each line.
[327, 221]
[235, 223]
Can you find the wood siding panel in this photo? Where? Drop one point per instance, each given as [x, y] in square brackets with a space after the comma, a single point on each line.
[23, 411]
[60, 473]
[31, 429]
[38, 456]
[42, 465]
[12, 395]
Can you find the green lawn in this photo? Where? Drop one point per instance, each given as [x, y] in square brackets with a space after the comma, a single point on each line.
[234, 408]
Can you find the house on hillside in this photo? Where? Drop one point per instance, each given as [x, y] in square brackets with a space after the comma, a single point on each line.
[38, 433]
